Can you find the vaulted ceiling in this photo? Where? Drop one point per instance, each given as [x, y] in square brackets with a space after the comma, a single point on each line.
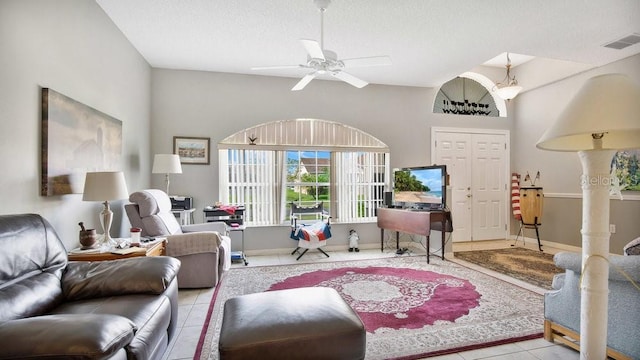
[429, 41]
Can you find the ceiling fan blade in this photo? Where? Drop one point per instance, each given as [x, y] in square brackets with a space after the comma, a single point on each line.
[348, 78]
[304, 81]
[367, 61]
[277, 67]
[313, 49]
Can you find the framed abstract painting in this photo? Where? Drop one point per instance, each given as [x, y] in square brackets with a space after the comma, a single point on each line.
[76, 139]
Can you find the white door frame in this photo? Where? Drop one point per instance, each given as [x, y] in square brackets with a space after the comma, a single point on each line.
[507, 168]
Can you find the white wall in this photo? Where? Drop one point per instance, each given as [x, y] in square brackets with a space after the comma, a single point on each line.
[560, 171]
[216, 105]
[70, 46]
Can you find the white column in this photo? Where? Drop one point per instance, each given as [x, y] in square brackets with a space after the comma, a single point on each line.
[596, 181]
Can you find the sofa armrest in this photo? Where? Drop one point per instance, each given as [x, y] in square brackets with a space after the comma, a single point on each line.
[193, 243]
[619, 266]
[138, 275]
[75, 336]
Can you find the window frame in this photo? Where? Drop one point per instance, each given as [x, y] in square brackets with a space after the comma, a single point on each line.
[349, 201]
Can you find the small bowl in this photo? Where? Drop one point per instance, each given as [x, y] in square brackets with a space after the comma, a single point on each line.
[88, 239]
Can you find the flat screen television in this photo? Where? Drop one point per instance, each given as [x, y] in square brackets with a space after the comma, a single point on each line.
[422, 188]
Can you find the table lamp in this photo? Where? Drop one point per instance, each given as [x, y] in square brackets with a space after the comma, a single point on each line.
[603, 117]
[166, 164]
[105, 186]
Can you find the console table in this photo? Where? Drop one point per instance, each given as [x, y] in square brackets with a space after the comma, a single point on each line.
[413, 222]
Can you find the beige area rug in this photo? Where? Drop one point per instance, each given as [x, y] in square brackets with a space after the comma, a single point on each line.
[531, 266]
[410, 309]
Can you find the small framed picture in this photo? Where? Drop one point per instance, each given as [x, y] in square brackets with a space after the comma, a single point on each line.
[192, 150]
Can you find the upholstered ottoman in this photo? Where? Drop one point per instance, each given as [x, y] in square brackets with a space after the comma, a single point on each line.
[304, 323]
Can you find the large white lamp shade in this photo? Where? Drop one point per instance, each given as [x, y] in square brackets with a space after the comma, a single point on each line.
[603, 117]
[606, 104]
[105, 186]
[166, 164]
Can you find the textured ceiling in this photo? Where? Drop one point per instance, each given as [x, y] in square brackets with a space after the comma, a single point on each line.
[429, 41]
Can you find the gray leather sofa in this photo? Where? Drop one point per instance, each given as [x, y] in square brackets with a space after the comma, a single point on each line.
[54, 309]
[562, 305]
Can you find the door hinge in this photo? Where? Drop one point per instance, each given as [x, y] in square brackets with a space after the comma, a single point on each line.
[505, 227]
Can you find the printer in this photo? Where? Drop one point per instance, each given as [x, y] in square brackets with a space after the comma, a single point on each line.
[181, 202]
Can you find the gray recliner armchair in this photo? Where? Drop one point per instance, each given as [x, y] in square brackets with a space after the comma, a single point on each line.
[204, 249]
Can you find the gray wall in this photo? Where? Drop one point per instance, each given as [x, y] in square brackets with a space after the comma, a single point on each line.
[72, 47]
[536, 110]
[216, 105]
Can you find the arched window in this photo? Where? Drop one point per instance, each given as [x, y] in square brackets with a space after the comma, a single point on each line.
[469, 94]
[268, 166]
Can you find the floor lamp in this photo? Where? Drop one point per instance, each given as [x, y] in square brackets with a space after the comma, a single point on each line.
[105, 186]
[603, 117]
[166, 164]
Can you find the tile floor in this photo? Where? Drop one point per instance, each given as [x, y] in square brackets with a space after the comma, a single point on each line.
[193, 306]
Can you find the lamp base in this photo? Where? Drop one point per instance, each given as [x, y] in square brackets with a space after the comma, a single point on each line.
[596, 181]
[106, 217]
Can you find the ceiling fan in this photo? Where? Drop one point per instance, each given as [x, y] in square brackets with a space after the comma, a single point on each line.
[322, 61]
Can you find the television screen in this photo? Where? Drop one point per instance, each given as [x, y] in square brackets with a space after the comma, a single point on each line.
[420, 187]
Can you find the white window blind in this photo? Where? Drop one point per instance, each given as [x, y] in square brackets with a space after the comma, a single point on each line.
[251, 181]
[360, 184]
[255, 175]
[257, 179]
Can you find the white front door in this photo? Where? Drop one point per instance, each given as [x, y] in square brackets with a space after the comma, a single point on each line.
[476, 162]
[453, 150]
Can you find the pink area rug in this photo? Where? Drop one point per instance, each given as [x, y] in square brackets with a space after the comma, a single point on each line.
[410, 309]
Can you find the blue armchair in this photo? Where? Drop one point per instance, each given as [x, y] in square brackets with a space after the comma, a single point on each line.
[562, 305]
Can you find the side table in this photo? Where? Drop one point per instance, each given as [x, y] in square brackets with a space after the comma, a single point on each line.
[156, 248]
[185, 215]
[238, 255]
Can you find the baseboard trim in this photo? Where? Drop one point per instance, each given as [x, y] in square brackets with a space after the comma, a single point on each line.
[528, 241]
[534, 242]
[281, 251]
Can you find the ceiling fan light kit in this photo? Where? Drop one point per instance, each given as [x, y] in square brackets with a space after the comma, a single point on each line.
[325, 62]
[508, 88]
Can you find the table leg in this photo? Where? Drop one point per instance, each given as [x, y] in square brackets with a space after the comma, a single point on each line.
[443, 232]
[397, 240]
[381, 240]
